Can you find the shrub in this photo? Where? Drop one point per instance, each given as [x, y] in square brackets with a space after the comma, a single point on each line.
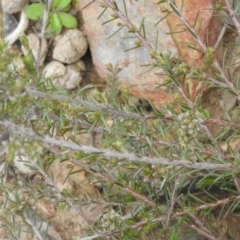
[162, 174]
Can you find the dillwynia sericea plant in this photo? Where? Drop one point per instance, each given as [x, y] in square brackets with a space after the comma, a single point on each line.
[160, 174]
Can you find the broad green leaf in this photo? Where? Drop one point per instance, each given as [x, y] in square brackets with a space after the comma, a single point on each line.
[67, 20]
[55, 25]
[60, 4]
[34, 11]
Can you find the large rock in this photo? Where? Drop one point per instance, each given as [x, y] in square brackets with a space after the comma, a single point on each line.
[111, 50]
[66, 77]
[10, 6]
[70, 46]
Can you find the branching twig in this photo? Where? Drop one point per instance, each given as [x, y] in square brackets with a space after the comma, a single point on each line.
[237, 183]
[65, 198]
[203, 232]
[33, 226]
[79, 102]
[163, 218]
[129, 25]
[204, 48]
[113, 154]
[232, 15]
[42, 34]
[107, 179]
[148, 46]
[170, 210]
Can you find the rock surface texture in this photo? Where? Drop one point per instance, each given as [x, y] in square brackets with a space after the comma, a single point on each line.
[13, 6]
[67, 77]
[70, 47]
[111, 50]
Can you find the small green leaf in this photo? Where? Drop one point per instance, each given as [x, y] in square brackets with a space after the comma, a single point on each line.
[55, 25]
[209, 58]
[34, 11]
[206, 182]
[29, 63]
[60, 4]
[66, 192]
[67, 20]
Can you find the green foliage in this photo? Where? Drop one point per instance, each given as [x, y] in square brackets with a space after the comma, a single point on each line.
[209, 58]
[58, 18]
[35, 11]
[161, 173]
[6, 55]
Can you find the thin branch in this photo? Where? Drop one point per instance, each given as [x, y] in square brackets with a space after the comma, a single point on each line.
[203, 232]
[232, 15]
[163, 218]
[237, 183]
[114, 154]
[107, 179]
[204, 48]
[221, 122]
[42, 34]
[170, 210]
[66, 199]
[196, 37]
[33, 226]
[150, 49]
[79, 102]
[129, 25]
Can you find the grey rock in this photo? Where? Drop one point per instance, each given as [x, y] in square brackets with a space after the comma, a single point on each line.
[9, 23]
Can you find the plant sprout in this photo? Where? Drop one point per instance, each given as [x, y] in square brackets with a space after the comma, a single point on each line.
[58, 16]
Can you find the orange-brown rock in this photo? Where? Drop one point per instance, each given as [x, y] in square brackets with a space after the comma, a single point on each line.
[107, 50]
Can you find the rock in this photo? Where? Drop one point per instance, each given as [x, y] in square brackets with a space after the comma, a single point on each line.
[75, 180]
[9, 23]
[106, 51]
[33, 43]
[71, 46]
[74, 75]
[66, 77]
[54, 70]
[13, 6]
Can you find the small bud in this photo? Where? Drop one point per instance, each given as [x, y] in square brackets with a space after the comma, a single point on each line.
[138, 43]
[190, 132]
[109, 67]
[183, 126]
[190, 125]
[120, 24]
[180, 117]
[115, 16]
[132, 30]
[153, 54]
[195, 121]
[102, 5]
[165, 10]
